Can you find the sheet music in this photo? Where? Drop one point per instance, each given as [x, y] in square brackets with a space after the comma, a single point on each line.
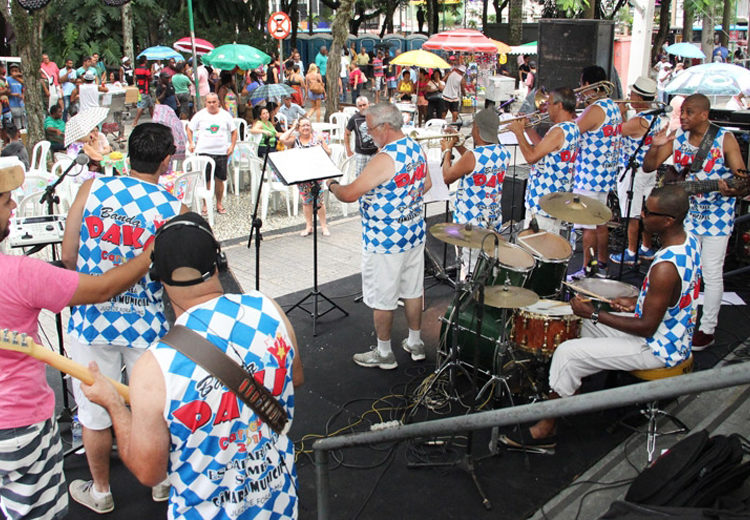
[302, 165]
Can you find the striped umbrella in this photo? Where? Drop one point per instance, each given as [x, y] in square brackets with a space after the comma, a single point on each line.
[201, 46]
[272, 90]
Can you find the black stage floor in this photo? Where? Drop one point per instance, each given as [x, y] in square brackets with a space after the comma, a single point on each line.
[376, 482]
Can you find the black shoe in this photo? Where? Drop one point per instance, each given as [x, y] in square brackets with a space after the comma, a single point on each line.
[522, 439]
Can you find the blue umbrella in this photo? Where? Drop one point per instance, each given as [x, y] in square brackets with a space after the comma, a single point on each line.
[161, 52]
[711, 79]
[686, 50]
[272, 90]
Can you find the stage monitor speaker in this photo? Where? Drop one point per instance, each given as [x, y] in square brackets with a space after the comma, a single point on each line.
[567, 46]
[514, 191]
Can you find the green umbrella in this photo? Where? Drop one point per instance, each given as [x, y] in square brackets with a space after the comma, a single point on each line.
[231, 55]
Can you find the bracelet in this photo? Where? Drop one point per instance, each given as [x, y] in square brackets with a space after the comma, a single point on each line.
[332, 183]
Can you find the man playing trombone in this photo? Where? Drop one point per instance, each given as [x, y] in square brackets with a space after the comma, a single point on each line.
[596, 166]
[552, 157]
[480, 173]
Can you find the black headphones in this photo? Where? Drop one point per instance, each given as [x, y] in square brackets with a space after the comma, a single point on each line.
[220, 262]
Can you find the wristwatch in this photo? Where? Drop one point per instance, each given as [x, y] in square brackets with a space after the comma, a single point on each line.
[595, 317]
[331, 183]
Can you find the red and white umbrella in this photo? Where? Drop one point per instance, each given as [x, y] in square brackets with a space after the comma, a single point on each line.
[201, 46]
[464, 40]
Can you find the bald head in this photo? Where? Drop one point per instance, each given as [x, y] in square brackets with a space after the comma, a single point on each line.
[699, 101]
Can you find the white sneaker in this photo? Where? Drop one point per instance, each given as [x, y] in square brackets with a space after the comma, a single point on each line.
[374, 358]
[160, 492]
[416, 351]
[81, 492]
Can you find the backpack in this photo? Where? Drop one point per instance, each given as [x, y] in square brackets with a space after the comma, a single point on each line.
[695, 472]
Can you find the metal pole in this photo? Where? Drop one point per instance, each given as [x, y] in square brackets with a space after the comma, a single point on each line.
[637, 393]
[195, 55]
[322, 478]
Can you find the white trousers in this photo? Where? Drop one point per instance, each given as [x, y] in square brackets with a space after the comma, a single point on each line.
[577, 358]
[713, 251]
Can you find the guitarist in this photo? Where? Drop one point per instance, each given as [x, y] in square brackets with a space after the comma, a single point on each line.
[711, 215]
[32, 484]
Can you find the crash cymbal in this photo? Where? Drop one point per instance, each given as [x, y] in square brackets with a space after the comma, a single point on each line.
[575, 208]
[465, 235]
[508, 297]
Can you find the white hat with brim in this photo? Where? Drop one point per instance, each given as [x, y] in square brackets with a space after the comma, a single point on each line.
[11, 178]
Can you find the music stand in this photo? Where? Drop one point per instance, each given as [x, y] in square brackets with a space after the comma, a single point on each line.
[317, 167]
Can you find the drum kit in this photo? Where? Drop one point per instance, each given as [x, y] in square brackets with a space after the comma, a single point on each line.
[497, 329]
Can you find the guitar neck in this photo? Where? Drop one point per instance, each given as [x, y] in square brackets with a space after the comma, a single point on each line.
[708, 186]
[21, 343]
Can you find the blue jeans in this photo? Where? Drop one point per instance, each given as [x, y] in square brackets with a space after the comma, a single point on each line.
[66, 104]
[355, 93]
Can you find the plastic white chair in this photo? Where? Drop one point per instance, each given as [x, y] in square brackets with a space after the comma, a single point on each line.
[347, 167]
[68, 188]
[270, 186]
[240, 161]
[241, 126]
[282, 120]
[185, 185]
[29, 205]
[432, 123]
[338, 154]
[349, 112]
[339, 119]
[39, 157]
[204, 191]
[254, 141]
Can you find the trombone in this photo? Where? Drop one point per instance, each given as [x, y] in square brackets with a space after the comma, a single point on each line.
[415, 135]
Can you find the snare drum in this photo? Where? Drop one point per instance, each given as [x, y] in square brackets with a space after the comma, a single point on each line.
[609, 289]
[541, 327]
[513, 264]
[552, 254]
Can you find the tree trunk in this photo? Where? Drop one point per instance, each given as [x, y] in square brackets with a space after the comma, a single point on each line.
[294, 15]
[707, 34]
[661, 35]
[484, 13]
[515, 22]
[726, 23]
[688, 17]
[28, 28]
[127, 32]
[339, 31]
[590, 10]
[433, 17]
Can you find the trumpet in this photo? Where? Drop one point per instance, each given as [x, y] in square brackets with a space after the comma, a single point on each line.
[590, 93]
[535, 118]
[460, 137]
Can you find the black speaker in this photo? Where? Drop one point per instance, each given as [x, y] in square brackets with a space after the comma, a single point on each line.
[567, 46]
[514, 191]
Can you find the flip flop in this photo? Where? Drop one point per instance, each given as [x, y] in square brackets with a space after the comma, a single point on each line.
[221, 211]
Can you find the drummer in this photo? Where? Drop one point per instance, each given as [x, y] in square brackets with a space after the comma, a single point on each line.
[480, 173]
[552, 157]
[659, 332]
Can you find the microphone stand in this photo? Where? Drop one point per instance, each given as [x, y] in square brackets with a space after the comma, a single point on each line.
[256, 224]
[633, 168]
[50, 198]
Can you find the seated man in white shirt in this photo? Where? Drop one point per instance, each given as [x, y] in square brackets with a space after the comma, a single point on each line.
[292, 111]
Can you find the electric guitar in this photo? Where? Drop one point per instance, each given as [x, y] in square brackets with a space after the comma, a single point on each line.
[19, 342]
[668, 174]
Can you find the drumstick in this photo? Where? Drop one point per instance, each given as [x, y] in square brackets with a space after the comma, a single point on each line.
[531, 247]
[588, 293]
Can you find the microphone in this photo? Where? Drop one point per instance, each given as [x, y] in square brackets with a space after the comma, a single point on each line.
[534, 225]
[82, 159]
[664, 109]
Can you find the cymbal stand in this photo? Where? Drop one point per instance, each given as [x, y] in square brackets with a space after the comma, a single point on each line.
[633, 169]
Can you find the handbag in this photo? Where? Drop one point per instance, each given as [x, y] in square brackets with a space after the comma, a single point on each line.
[232, 375]
[317, 87]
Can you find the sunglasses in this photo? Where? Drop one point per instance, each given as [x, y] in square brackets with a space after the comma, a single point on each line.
[648, 213]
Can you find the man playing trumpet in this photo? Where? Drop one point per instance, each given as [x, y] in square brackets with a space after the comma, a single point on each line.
[552, 157]
[480, 173]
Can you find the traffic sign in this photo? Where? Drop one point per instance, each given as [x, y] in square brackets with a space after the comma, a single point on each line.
[279, 25]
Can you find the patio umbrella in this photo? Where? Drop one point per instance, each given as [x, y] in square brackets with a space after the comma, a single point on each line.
[201, 46]
[83, 122]
[526, 48]
[686, 50]
[272, 90]
[711, 79]
[465, 40]
[502, 48]
[421, 58]
[161, 52]
[231, 55]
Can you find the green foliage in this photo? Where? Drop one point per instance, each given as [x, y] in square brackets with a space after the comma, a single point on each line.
[572, 8]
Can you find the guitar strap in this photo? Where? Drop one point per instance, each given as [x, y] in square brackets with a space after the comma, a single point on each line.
[704, 147]
[232, 375]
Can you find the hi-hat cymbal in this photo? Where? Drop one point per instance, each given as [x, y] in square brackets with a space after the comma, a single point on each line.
[508, 297]
[575, 208]
[463, 235]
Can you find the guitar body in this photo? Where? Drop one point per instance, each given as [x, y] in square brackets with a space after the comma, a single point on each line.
[668, 174]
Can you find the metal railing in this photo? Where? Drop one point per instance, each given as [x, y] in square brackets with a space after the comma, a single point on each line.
[713, 379]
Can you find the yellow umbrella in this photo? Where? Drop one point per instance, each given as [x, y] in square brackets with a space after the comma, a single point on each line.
[502, 48]
[420, 58]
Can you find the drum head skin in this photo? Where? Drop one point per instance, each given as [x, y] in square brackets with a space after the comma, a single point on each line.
[609, 289]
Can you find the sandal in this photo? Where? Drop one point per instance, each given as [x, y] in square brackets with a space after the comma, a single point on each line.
[221, 211]
[305, 232]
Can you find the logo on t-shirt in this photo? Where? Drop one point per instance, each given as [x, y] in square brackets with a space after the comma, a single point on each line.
[213, 129]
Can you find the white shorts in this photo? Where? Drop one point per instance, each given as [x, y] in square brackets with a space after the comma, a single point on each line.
[388, 277]
[601, 196]
[642, 186]
[378, 82]
[111, 359]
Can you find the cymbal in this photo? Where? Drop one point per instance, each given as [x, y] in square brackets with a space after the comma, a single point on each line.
[464, 235]
[575, 208]
[508, 297]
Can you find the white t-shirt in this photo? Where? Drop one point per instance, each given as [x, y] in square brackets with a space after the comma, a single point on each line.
[452, 90]
[89, 95]
[214, 131]
[345, 61]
